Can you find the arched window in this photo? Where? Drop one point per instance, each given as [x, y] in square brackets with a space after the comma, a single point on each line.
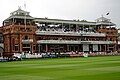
[111, 39]
[26, 37]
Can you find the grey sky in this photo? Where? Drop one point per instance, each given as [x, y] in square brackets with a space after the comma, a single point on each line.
[64, 9]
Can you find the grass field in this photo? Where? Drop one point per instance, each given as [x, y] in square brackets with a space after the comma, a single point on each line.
[91, 68]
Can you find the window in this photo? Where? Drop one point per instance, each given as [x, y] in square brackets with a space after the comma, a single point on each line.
[111, 39]
[28, 29]
[16, 47]
[34, 47]
[22, 29]
[111, 46]
[26, 37]
[111, 32]
[26, 45]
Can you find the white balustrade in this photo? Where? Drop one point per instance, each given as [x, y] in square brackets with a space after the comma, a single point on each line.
[27, 41]
[73, 42]
[70, 33]
[2, 45]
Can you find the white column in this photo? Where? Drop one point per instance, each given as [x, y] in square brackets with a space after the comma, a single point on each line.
[83, 28]
[63, 27]
[76, 27]
[39, 48]
[69, 26]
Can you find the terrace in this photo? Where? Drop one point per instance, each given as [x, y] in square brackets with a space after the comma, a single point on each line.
[67, 29]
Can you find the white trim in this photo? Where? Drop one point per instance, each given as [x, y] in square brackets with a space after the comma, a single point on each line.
[70, 33]
[27, 41]
[73, 42]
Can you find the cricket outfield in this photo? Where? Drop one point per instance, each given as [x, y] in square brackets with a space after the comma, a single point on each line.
[80, 68]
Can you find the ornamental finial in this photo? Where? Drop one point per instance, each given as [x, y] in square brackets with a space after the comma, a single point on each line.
[19, 7]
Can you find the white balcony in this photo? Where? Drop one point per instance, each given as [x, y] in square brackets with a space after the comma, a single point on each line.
[2, 45]
[73, 42]
[118, 42]
[70, 33]
[27, 41]
[94, 34]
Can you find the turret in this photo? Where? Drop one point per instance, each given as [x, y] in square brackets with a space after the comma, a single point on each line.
[18, 17]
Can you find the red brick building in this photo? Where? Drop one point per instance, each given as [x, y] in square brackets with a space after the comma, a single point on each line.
[23, 33]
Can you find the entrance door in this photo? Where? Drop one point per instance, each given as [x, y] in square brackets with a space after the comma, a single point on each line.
[74, 48]
[95, 47]
[26, 47]
[85, 47]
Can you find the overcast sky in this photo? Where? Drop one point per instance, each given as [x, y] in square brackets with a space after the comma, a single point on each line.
[64, 9]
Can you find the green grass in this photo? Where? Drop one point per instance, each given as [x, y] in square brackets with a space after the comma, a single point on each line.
[91, 68]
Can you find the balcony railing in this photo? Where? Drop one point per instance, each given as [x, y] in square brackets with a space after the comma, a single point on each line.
[70, 33]
[27, 41]
[73, 42]
[2, 45]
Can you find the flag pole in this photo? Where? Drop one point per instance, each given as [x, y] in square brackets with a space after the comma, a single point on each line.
[25, 14]
[109, 19]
